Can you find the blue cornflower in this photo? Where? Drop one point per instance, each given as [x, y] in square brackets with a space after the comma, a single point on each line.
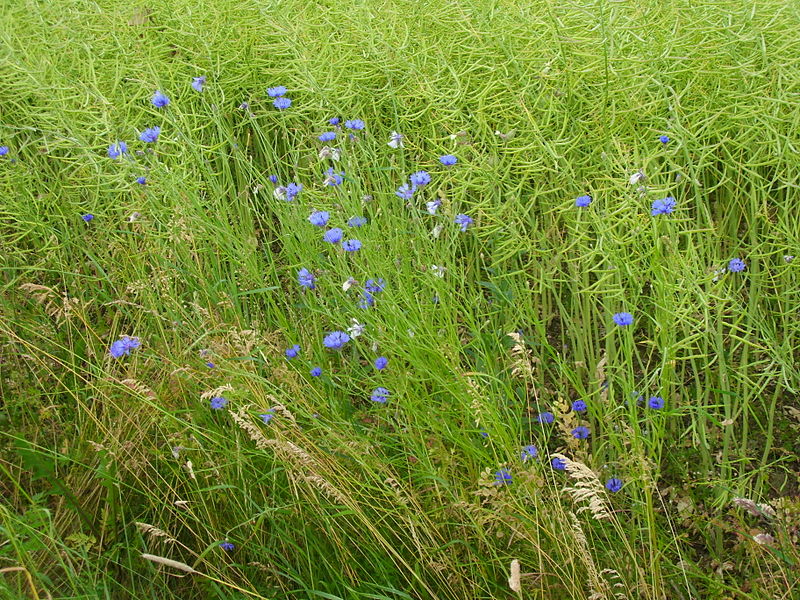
[529, 451]
[406, 191]
[336, 340]
[559, 464]
[273, 178]
[3, 150]
[356, 221]
[293, 351]
[579, 406]
[448, 160]
[623, 319]
[736, 265]
[334, 121]
[150, 134]
[545, 417]
[117, 150]
[282, 103]
[380, 394]
[583, 201]
[160, 99]
[381, 362]
[351, 245]
[123, 346]
[366, 301]
[639, 398]
[663, 139]
[292, 190]
[218, 402]
[87, 217]
[328, 136]
[332, 178]
[420, 178]
[580, 433]
[277, 91]
[655, 402]
[267, 417]
[227, 546]
[306, 278]
[355, 124]
[463, 220]
[211, 365]
[502, 477]
[316, 372]
[333, 236]
[319, 218]
[484, 434]
[664, 206]
[141, 180]
[614, 485]
[198, 83]
[433, 206]
[375, 286]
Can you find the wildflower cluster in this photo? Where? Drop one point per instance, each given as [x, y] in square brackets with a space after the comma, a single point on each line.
[334, 241]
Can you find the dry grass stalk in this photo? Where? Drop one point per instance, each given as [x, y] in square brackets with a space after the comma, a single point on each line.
[138, 387]
[524, 360]
[325, 487]
[613, 575]
[242, 419]
[154, 533]
[216, 391]
[167, 562]
[284, 448]
[57, 306]
[288, 451]
[243, 340]
[476, 405]
[597, 586]
[400, 495]
[587, 489]
[283, 411]
[295, 452]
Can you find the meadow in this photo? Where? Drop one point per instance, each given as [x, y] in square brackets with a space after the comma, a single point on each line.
[420, 299]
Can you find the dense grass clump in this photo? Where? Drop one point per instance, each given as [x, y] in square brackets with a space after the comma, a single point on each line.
[567, 355]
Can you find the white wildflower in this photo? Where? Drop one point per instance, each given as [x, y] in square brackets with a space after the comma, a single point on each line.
[328, 152]
[637, 177]
[395, 140]
[356, 329]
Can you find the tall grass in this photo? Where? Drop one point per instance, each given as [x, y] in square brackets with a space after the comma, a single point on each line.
[105, 460]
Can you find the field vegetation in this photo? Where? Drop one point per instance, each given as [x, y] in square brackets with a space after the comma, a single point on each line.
[495, 299]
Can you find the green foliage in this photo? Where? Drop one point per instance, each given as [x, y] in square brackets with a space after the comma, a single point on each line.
[103, 460]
